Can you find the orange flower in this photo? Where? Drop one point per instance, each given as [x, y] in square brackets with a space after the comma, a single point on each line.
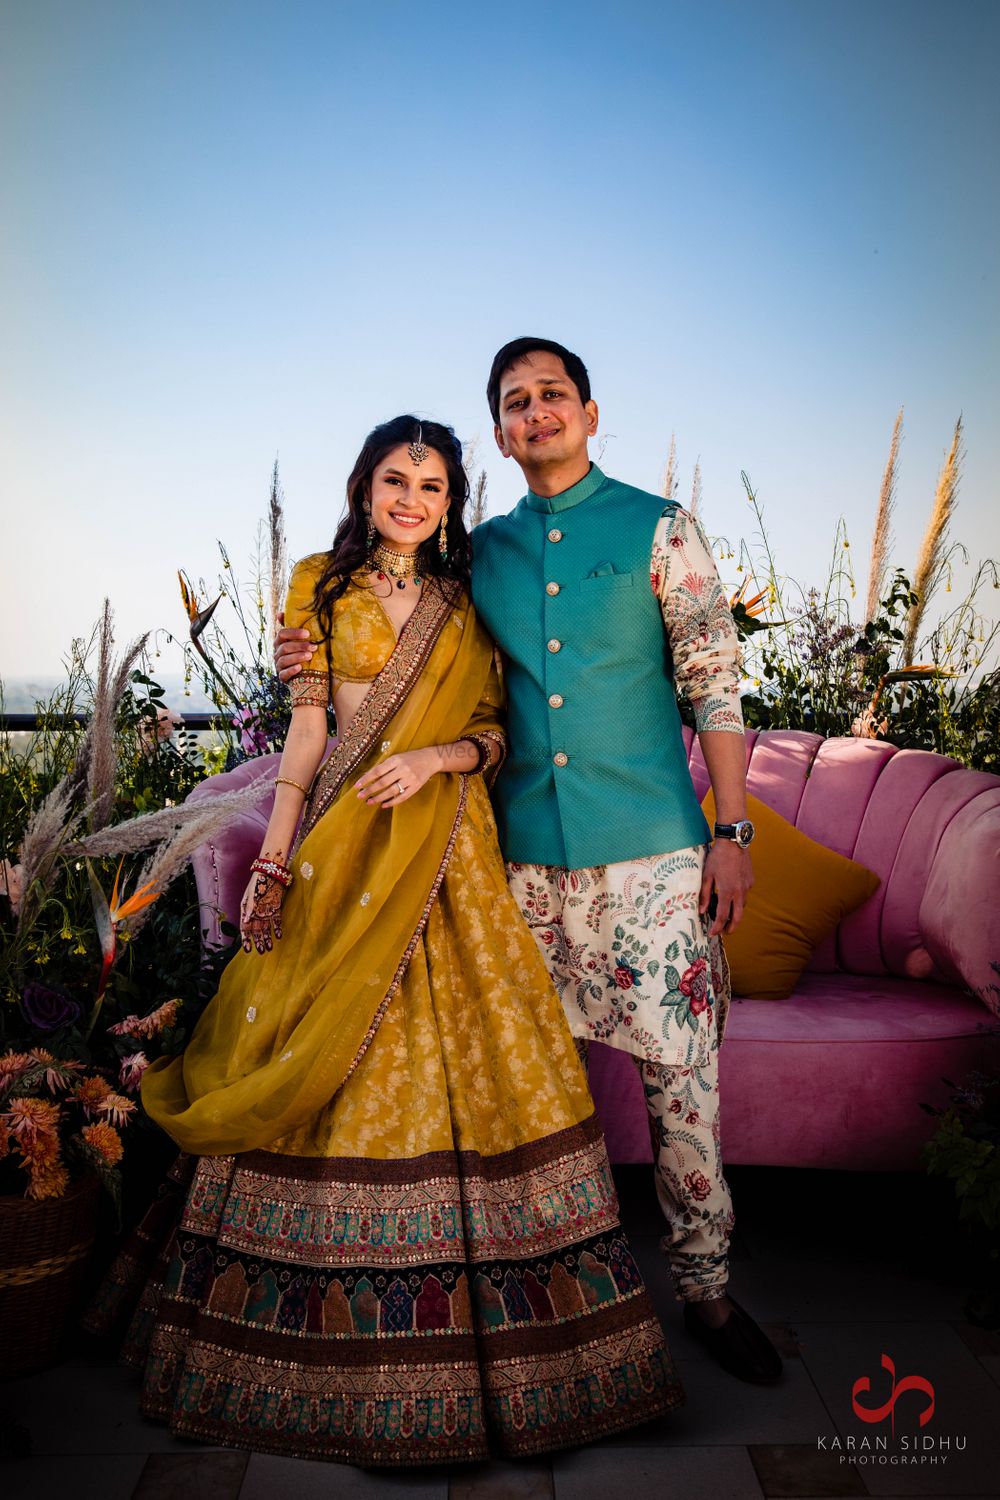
[105, 1140]
[121, 907]
[753, 607]
[31, 1119]
[40, 1149]
[116, 1108]
[107, 915]
[12, 1065]
[92, 1092]
[48, 1180]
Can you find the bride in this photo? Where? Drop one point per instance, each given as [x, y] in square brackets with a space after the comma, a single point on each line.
[393, 1236]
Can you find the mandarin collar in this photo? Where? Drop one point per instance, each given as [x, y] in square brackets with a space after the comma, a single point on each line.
[582, 490]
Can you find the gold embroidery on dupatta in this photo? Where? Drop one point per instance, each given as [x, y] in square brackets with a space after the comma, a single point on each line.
[380, 704]
[387, 693]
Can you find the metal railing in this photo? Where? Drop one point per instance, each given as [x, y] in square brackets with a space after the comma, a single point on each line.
[21, 723]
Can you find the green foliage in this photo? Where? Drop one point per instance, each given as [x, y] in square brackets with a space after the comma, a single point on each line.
[810, 667]
[965, 1148]
[50, 966]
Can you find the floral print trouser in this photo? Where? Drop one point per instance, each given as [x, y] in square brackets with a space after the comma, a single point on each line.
[628, 953]
[683, 1106]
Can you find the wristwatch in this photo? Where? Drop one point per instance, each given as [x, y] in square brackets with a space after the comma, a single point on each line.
[741, 833]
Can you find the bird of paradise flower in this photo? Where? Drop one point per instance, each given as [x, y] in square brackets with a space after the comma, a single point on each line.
[197, 620]
[107, 916]
[747, 612]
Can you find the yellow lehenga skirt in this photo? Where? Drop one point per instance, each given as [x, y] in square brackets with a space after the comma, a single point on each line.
[430, 1266]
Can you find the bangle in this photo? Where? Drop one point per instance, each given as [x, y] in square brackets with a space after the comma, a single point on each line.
[482, 748]
[287, 781]
[281, 873]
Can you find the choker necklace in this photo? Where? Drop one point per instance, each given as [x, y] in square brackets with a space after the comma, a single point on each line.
[397, 565]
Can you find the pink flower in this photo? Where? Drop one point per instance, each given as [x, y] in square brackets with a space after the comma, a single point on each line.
[253, 739]
[11, 884]
[694, 984]
[131, 1070]
[698, 1186]
[156, 732]
[158, 1020]
[116, 1108]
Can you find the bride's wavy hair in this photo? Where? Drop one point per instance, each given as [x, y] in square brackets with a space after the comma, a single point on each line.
[350, 544]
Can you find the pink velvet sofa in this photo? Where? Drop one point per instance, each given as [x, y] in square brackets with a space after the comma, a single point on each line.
[905, 994]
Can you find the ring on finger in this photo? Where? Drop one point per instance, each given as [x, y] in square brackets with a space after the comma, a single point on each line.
[399, 787]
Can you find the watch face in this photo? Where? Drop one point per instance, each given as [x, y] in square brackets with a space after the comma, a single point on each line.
[744, 833]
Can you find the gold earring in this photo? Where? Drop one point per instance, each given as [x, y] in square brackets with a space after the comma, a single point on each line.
[443, 538]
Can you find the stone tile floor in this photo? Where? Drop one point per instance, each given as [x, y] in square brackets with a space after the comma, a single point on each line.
[842, 1269]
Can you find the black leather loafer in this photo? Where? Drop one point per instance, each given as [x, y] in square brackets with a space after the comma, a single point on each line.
[739, 1346]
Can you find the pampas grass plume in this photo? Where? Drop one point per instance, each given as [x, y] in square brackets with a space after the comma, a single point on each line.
[206, 821]
[696, 488]
[98, 758]
[48, 828]
[151, 828]
[670, 476]
[932, 547]
[278, 553]
[882, 535]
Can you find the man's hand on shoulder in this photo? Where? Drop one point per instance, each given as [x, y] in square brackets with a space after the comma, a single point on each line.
[293, 651]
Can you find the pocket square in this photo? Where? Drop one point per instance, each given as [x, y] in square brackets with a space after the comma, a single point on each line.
[601, 569]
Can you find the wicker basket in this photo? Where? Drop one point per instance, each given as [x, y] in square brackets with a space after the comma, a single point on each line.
[43, 1253]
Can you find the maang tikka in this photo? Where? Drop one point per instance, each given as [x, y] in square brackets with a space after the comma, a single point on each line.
[419, 450]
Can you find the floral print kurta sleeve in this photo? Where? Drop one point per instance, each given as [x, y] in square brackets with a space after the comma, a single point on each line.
[698, 620]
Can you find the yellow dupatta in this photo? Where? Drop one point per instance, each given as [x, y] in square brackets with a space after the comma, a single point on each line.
[287, 1028]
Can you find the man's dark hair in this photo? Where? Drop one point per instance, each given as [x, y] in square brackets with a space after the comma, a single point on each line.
[507, 357]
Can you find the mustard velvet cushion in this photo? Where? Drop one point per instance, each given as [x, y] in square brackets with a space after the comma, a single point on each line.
[801, 891]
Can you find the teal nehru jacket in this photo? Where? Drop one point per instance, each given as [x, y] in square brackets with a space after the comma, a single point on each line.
[596, 769]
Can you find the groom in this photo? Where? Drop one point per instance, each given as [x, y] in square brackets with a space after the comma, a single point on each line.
[602, 599]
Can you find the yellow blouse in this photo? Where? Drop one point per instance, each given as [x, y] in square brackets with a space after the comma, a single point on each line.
[363, 635]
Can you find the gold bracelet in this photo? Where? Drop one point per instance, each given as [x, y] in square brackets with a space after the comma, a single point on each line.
[287, 781]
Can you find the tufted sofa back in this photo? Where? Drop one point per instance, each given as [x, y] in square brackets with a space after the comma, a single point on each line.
[929, 828]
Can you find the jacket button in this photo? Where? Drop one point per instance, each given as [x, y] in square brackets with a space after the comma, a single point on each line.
[555, 645]
[560, 758]
[555, 535]
[556, 700]
[552, 588]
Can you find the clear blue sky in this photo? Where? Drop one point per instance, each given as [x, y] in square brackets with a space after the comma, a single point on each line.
[238, 229]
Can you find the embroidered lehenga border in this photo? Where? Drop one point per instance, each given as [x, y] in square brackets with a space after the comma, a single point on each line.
[393, 1313]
